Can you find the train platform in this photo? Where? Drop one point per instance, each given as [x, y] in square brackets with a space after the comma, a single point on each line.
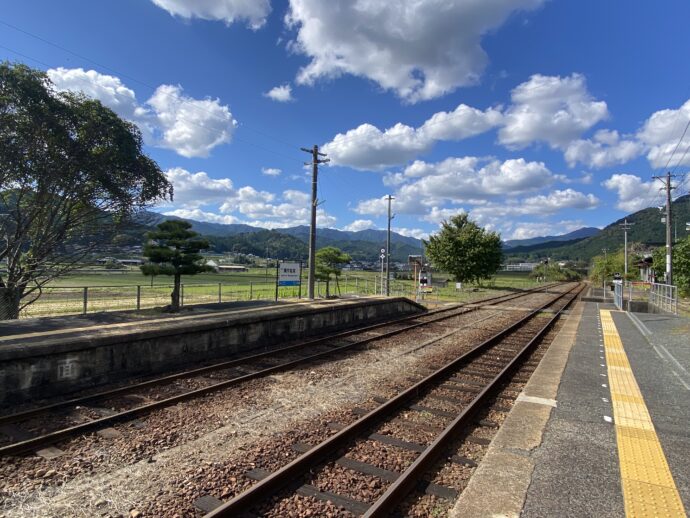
[602, 428]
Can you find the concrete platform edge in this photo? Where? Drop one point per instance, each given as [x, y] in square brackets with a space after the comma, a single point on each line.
[499, 486]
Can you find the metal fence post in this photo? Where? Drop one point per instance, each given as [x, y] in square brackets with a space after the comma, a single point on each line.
[251, 289]
[220, 293]
[181, 294]
[86, 300]
[138, 297]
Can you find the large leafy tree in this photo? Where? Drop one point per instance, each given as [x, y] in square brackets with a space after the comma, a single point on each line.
[329, 261]
[71, 173]
[173, 249]
[465, 250]
[681, 264]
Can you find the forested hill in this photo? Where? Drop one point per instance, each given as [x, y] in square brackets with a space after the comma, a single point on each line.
[647, 229]
[292, 243]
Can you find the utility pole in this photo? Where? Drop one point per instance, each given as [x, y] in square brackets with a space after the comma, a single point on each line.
[388, 247]
[669, 243]
[315, 161]
[625, 226]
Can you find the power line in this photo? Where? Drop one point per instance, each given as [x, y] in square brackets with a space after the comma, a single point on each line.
[187, 120]
[678, 144]
[120, 74]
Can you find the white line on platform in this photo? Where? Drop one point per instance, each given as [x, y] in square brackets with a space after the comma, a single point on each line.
[639, 324]
[537, 400]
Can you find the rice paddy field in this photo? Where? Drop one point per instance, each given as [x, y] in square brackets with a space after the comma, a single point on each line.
[115, 290]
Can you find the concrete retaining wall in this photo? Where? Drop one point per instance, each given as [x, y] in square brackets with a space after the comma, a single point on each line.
[56, 367]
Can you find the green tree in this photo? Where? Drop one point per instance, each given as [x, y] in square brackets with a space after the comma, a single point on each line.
[681, 265]
[71, 173]
[605, 265]
[329, 261]
[552, 272]
[465, 250]
[173, 249]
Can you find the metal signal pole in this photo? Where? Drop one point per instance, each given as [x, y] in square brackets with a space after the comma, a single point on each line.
[315, 161]
[625, 226]
[388, 247]
[669, 243]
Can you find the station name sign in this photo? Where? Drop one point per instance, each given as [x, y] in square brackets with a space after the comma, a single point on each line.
[289, 274]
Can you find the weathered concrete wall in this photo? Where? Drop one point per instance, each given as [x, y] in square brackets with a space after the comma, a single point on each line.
[56, 367]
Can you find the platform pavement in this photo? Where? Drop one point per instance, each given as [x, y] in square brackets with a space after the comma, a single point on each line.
[558, 451]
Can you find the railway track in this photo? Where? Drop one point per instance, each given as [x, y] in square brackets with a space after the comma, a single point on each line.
[452, 395]
[92, 412]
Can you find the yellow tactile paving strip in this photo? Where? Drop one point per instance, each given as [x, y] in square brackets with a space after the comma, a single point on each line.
[648, 486]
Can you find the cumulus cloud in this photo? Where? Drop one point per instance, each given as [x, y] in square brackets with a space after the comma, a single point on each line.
[528, 230]
[463, 180]
[604, 150]
[551, 109]
[192, 190]
[254, 12]
[359, 224]
[191, 127]
[633, 193]
[200, 215]
[420, 50]
[281, 94]
[271, 171]
[539, 205]
[661, 133]
[368, 148]
[411, 232]
[169, 119]
[437, 215]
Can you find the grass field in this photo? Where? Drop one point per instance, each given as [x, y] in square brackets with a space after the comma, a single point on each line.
[129, 289]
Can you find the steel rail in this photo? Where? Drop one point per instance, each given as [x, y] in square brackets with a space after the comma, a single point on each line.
[267, 352]
[52, 437]
[402, 486]
[268, 486]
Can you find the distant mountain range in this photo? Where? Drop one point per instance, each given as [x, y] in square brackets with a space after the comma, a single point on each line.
[647, 230]
[575, 234]
[365, 245]
[362, 245]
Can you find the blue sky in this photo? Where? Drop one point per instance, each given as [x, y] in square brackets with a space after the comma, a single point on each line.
[534, 116]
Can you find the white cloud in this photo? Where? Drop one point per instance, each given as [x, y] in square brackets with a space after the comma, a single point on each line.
[368, 148]
[411, 232]
[192, 190]
[551, 109]
[437, 215]
[540, 205]
[281, 94]
[604, 150]
[359, 224]
[200, 215]
[661, 133]
[419, 49]
[271, 171]
[109, 90]
[253, 11]
[461, 123]
[462, 180]
[169, 119]
[633, 193]
[191, 127]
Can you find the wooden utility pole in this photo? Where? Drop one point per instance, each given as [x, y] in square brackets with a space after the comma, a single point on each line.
[669, 242]
[388, 247]
[315, 161]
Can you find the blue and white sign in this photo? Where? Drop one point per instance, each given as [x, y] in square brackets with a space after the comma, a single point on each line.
[289, 274]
